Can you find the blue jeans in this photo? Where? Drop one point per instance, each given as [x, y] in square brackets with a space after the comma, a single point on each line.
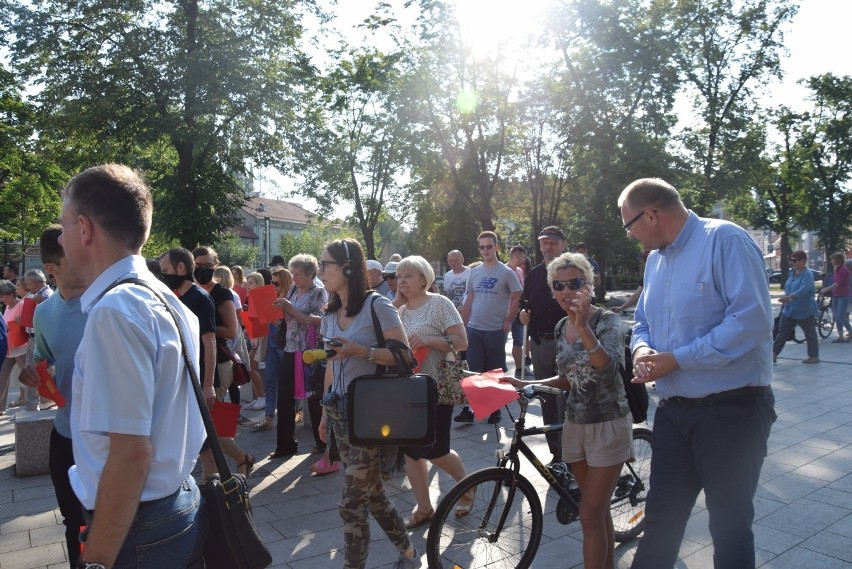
[718, 446]
[270, 378]
[486, 350]
[840, 310]
[168, 532]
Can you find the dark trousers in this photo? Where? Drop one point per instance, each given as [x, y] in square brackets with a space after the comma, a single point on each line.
[60, 459]
[718, 447]
[787, 326]
[286, 441]
[552, 406]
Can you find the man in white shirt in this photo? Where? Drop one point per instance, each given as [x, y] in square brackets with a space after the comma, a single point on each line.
[135, 422]
[455, 280]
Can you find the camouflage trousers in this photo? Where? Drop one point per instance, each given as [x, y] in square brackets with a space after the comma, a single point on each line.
[363, 494]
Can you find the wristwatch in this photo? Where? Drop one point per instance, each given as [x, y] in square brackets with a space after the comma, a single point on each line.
[83, 565]
[371, 355]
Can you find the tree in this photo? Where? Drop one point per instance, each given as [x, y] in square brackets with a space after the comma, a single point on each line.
[827, 139]
[232, 251]
[191, 91]
[30, 182]
[313, 238]
[725, 49]
[354, 140]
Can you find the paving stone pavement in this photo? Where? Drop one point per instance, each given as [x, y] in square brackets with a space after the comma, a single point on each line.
[803, 505]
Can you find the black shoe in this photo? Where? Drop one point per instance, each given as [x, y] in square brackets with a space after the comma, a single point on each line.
[465, 416]
[528, 361]
[495, 417]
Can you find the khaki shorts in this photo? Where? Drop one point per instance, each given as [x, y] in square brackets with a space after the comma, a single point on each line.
[599, 444]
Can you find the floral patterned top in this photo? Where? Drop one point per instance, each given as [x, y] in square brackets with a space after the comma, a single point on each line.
[432, 318]
[309, 302]
[596, 395]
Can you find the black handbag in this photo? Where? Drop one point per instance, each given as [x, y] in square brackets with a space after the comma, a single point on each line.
[232, 541]
[392, 406]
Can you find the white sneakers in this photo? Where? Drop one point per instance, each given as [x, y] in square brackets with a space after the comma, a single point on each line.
[256, 405]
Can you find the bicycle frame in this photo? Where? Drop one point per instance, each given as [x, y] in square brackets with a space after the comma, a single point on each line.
[508, 459]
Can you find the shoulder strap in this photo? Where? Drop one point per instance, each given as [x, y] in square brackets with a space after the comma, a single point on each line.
[228, 481]
[394, 346]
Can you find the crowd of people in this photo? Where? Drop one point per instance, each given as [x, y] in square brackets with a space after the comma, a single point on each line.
[704, 336]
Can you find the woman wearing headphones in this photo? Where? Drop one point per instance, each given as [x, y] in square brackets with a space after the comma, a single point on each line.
[349, 321]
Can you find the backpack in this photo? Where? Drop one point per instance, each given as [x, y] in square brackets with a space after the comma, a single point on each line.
[637, 393]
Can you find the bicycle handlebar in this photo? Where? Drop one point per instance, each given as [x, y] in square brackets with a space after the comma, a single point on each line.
[530, 391]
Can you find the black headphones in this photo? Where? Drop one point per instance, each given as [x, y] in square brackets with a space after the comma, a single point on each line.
[347, 267]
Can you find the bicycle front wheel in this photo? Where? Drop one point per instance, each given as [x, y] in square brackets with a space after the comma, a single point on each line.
[628, 501]
[502, 528]
[825, 323]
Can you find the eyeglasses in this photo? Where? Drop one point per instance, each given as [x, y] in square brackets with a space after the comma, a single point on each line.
[484, 247]
[389, 277]
[638, 216]
[324, 264]
[573, 284]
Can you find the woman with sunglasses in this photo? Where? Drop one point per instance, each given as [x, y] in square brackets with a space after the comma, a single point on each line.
[598, 435]
[349, 320]
[800, 308]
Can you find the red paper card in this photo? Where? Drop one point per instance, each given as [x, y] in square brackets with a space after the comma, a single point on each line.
[486, 394]
[261, 307]
[420, 355]
[27, 312]
[48, 388]
[17, 335]
[254, 329]
[225, 417]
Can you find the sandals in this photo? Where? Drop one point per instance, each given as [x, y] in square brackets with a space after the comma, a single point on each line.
[465, 504]
[260, 426]
[318, 450]
[323, 466]
[419, 517]
[248, 463]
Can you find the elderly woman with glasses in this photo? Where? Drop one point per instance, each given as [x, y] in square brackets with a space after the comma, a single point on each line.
[598, 435]
[800, 308]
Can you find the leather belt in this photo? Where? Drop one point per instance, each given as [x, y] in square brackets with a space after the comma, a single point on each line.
[716, 398]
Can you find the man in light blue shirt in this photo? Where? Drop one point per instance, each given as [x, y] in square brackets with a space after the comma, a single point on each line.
[59, 325]
[704, 335]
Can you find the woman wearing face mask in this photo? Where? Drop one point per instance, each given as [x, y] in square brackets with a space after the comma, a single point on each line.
[598, 435]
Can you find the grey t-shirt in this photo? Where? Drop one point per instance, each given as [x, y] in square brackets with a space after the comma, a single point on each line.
[361, 332]
[455, 285]
[492, 289]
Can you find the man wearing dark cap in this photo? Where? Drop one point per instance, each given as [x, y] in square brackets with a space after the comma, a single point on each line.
[277, 261]
[541, 312]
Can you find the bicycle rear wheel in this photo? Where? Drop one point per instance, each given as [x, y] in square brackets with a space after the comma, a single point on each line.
[825, 323]
[470, 540]
[628, 502]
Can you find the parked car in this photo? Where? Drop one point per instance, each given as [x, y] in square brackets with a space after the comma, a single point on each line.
[775, 277]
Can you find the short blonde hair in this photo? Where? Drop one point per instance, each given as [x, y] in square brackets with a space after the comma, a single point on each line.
[223, 276]
[419, 264]
[568, 260]
[256, 278]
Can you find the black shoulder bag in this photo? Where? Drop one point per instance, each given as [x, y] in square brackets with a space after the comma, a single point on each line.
[392, 406]
[232, 540]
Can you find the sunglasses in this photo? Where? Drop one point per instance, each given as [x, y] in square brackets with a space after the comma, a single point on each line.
[572, 284]
[484, 247]
[389, 277]
[794, 260]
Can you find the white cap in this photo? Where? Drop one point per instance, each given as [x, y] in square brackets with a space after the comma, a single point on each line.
[373, 264]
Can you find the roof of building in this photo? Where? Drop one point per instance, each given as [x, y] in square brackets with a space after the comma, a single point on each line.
[243, 231]
[277, 210]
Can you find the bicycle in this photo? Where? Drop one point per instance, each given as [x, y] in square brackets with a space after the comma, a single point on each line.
[825, 319]
[504, 525]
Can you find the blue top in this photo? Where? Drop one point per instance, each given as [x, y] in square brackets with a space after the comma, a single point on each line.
[706, 299]
[804, 303]
[59, 326]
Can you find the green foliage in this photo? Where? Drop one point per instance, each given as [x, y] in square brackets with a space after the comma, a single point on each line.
[232, 251]
[157, 244]
[313, 238]
[214, 79]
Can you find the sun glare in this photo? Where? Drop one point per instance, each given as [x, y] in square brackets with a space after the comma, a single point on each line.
[489, 25]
